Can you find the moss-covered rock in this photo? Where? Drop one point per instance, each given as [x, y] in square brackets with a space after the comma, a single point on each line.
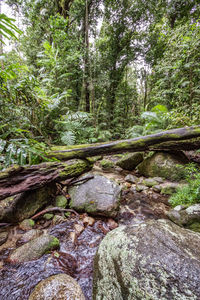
[106, 164]
[25, 205]
[164, 164]
[185, 216]
[48, 216]
[98, 196]
[149, 261]
[149, 182]
[60, 286]
[130, 161]
[34, 249]
[169, 188]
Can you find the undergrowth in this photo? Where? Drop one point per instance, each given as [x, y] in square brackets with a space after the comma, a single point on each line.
[190, 193]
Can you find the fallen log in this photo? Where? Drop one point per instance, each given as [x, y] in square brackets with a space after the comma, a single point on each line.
[18, 179]
[187, 138]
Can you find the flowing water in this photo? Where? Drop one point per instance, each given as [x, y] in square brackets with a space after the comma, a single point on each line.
[75, 258]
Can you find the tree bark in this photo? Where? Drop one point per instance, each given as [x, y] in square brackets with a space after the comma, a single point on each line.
[19, 179]
[187, 138]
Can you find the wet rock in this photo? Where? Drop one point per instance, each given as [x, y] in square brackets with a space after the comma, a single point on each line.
[98, 196]
[61, 201]
[152, 260]
[131, 178]
[25, 205]
[185, 216]
[167, 165]
[34, 249]
[60, 287]
[3, 237]
[149, 182]
[130, 161]
[141, 188]
[27, 224]
[30, 235]
[158, 179]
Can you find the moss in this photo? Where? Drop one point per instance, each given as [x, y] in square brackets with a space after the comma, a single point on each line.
[61, 201]
[194, 226]
[106, 164]
[48, 216]
[54, 243]
[75, 168]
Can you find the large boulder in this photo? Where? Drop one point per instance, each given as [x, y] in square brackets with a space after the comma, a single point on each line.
[164, 164]
[98, 196]
[130, 161]
[25, 205]
[60, 287]
[34, 249]
[152, 260]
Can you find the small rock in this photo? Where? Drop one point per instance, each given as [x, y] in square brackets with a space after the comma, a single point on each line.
[130, 161]
[48, 216]
[3, 237]
[131, 178]
[61, 201]
[27, 224]
[34, 249]
[157, 188]
[149, 182]
[78, 228]
[88, 220]
[169, 189]
[158, 179]
[179, 207]
[60, 286]
[141, 188]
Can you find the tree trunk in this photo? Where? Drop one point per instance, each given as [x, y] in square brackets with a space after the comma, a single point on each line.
[187, 138]
[19, 179]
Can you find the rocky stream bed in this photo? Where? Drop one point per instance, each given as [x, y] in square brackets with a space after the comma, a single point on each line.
[141, 200]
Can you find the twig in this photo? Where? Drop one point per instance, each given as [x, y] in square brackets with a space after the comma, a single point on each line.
[54, 209]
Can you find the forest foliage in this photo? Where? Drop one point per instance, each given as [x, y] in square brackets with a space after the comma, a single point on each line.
[85, 71]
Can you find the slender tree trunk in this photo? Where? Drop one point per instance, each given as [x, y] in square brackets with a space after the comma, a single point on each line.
[86, 62]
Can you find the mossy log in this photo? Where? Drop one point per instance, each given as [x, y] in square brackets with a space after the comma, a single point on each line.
[187, 138]
[18, 179]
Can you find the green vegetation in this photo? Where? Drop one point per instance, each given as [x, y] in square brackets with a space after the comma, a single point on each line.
[188, 194]
[97, 70]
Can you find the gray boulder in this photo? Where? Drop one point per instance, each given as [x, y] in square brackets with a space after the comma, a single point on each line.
[98, 196]
[25, 205]
[155, 260]
[130, 161]
[60, 287]
[164, 164]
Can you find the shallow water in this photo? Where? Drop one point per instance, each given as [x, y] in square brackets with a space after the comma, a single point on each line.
[75, 259]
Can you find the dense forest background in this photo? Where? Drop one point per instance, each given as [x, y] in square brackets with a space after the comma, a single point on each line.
[86, 71]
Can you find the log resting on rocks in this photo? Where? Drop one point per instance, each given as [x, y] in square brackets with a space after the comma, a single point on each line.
[187, 138]
[18, 179]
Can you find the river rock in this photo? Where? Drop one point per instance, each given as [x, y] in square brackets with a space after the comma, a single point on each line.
[149, 182]
[186, 216]
[59, 287]
[131, 178]
[130, 161]
[34, 249]
[164, 164]
[152, 260]
[25, 205]
[97, 196]
[27, 224]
